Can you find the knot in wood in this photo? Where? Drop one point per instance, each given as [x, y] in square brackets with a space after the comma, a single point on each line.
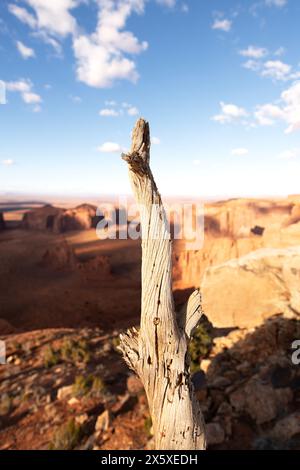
[156, 321]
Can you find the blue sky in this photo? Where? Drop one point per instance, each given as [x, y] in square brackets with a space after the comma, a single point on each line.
[219, 81]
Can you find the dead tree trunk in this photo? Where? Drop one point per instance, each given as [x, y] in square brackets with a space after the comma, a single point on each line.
[158, 351]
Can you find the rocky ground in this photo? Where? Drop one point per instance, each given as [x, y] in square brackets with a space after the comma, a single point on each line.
[69, 389]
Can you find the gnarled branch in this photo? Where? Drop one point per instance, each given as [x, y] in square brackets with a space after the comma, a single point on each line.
[158, 353]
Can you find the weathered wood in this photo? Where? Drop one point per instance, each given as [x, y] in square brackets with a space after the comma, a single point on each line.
[158, 351]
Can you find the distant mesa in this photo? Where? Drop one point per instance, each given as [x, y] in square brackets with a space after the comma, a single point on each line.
[2, 222]
[58, 220]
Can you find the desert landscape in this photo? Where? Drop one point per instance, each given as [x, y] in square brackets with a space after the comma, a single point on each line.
[149, 230]
[66, 296]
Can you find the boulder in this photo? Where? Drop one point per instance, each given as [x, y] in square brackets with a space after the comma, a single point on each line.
[287, 427]
[262, 402]
[104, 422]
[214, 434]
[64, 393]
[245, 291]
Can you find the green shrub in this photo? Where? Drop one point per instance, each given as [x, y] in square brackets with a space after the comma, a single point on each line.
[75, 351]
[51, 357]
[88, 386]
[67, 437]
[200, 344]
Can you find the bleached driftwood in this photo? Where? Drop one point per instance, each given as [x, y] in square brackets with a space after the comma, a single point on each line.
[158, 351]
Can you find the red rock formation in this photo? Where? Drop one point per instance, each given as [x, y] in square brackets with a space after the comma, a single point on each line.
[60, 257]
[59, 220]
[43, 218]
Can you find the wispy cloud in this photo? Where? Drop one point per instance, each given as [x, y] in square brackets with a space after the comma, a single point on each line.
[276, 3]
[26, 52]
[110, 147]
[109, 112]
[25, 88]
[222, 24]
[254, 52]
[286, 110]
[8, 162]
[239, 152]
[113, 110]
[229, 113]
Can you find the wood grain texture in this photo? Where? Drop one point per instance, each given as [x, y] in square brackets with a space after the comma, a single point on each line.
[158, 351]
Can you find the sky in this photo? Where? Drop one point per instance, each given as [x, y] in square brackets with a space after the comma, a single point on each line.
[218, 80]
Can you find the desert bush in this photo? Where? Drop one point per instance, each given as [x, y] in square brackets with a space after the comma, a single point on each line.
[51, 357]
[70, 351]
[6, 404]
[88, 386]
[75, 351]
[200, 344]
[67, 437]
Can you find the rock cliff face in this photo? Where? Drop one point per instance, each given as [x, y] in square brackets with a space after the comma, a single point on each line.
[244, 292]
[248, 268]
[43, 218]
[59, 220]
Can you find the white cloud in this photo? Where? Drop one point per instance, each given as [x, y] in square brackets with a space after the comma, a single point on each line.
[276, 3]
[110, 147]
[155, 140]
[112, 111]
[229, 113]
[289, 154]
[287, 110]
[239, 152]
[252, 65]
[276, 69]
[47, 39]
[196, 162]
[291, 108]
[280, 51]
[8, 162]
[110, 103]
[167, 3]
[31, 98]
[26, 52]
[24, 87]
[222, 24]
[132, 111]
[108, 112]
[23, 15]
[101, 56]
[254, 52]
[268, 114]
[50, 15]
